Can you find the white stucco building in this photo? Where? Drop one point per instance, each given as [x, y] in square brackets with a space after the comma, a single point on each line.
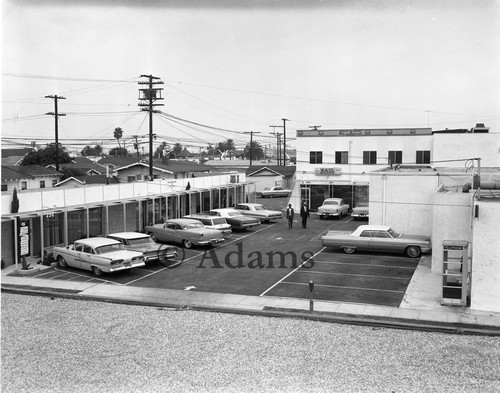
[445, 184]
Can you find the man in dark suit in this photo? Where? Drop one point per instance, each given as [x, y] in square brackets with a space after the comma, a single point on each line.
[289, 215]
[304, 213]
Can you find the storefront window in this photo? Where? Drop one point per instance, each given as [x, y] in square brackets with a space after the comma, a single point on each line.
[172, 206]
[115, 218]
[160, 210]
[206, 201]
[96, 222]
[195, 203]
[77, 225]
[215, 199]
[132, 216]
[223, 198]
[53, 229]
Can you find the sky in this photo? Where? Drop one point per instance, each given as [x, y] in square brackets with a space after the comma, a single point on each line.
[231, 67]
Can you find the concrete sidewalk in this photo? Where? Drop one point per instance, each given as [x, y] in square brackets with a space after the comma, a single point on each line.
[420, 309]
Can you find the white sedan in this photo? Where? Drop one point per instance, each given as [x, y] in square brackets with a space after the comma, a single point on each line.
[99, 255]
[273, 192]
[258, 211]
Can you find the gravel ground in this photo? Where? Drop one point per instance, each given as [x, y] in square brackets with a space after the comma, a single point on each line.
[65, 345]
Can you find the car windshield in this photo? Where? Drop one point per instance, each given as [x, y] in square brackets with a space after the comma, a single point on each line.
[139, 241]
[194, 225]
[330, 203]
[108, 248]
[393, 233]
[267, 188]
[259, 207]
[233, 214]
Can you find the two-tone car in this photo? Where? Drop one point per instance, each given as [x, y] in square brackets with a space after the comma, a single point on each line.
[152, 251]
[360, 212]
[258, 211]
[99, 255]
[234, 218]
[213, 222]
[274, 192]
[333, 207]
[184, 231]
[379, 238]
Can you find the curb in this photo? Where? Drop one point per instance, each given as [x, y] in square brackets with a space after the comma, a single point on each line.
[277, 312]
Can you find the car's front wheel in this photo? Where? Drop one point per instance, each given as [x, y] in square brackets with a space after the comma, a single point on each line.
[61, 261]
[413, 251]
[97, 272]
[349, 250]
[153, 236]
[187, 243]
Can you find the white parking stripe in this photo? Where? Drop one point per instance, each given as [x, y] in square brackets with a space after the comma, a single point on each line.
[293, 271]
[363, 264]
[357, 275]
[343, 287]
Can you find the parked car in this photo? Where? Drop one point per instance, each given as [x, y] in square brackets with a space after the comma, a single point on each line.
[213, 222]
[377, 238]
[152, 251]
[333, 207]
[274, 192]
[360, 211]
[258, 211]
[185, 231]
[234, 218]
[99, 255]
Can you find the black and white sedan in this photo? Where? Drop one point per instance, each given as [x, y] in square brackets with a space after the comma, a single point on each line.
[184, 231]
[377, 238]
[234, 218]
[258, 211]
[274, 192]
[99, 255]
[152, 251]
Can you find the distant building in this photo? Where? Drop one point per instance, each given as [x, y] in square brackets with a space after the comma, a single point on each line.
[28, 177]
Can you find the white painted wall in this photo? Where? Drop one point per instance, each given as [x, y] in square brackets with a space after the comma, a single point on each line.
[403, 201]
[454, 146]
[355, 145]
[452, 215]
[485, 277]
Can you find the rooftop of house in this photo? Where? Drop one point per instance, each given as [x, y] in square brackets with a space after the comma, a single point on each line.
[286, 171]
[88, 179]
[26, 172]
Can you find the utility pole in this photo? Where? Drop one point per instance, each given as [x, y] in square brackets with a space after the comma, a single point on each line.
[148, 96]
[278, 143]
[56, 115]
[284, 140]
[251, 143]
[136, 146]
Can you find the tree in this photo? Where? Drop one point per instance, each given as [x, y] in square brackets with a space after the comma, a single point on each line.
[256, 151]
[46, 156]
[178, 149]
[68, 172]
[226, 146]
[14, 207]
[92, 151]
[118, 134]
[160, 150]
[118, 151]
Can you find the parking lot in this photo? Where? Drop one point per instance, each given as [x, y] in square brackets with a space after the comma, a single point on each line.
[272, 260]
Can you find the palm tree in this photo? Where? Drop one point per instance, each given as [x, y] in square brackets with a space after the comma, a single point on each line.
[118, 134]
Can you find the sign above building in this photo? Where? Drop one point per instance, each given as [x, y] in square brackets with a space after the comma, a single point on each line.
[328, 171]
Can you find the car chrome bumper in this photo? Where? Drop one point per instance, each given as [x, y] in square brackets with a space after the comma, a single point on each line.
[123, 267]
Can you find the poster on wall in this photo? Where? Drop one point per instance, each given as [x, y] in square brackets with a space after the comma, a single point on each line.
[23, 238]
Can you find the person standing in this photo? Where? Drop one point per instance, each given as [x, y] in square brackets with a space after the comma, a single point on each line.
[289, 215]
[304, 213]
